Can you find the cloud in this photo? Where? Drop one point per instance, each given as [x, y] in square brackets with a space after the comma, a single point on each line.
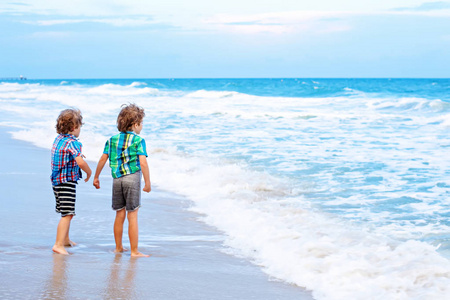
[428, 6]
[117, 22]
[320, 22]
[281, 22]
[19, 3]
[80, 8]
[148, 16]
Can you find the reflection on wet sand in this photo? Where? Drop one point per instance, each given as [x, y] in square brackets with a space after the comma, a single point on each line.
[121, 287]
[56, 286]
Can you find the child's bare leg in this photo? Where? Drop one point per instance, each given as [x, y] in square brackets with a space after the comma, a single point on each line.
[118, 229]
[61, 233]
[67, 241]
[133, 233]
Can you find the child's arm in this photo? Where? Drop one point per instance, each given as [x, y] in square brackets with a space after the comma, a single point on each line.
[100, 165]
[144, 167]
[84, 166]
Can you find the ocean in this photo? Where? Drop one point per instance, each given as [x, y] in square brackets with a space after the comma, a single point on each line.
[340, 186]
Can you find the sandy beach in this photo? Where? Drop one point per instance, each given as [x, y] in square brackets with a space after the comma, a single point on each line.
[188, 259]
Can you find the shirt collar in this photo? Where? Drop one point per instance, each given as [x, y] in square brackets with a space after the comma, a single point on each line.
[70, 136]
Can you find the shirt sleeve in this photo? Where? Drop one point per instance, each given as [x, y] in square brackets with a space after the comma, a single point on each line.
[74, 148]
[141, 147]
[106, 149]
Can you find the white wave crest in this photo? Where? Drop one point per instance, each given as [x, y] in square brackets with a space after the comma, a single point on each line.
[211, 94]
[293, 243]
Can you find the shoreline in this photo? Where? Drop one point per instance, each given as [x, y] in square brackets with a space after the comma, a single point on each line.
[188, 259]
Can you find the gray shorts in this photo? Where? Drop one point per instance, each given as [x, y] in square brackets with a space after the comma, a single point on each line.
[126, 192]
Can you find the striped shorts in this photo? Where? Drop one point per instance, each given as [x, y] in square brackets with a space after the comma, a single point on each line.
[65, 198]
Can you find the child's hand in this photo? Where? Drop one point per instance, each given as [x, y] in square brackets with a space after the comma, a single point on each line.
[96, 183]
[147, 188]
[88, 175]
[84, 166]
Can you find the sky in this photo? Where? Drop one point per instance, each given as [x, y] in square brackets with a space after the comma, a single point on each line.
[224, 38]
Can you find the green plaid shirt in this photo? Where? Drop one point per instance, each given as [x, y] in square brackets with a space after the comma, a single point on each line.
[123, 151]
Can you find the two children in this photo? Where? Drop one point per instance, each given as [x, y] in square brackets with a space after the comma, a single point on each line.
[127, 154]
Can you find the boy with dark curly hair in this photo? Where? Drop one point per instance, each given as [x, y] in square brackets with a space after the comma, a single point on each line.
[127, 155]
[67, 160]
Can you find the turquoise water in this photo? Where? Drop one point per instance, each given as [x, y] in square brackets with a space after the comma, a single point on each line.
[286, 87]
[361, 163]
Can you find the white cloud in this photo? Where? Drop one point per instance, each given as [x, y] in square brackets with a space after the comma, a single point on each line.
[118, 22]
[96, 8]
[305, 21]
[193, 16]
[428, 6]
[442, 13]
[54, 22]
[18, 3]
[282, 22]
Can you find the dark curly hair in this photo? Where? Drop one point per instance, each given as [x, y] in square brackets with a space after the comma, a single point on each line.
[68, 120]
[129, 115]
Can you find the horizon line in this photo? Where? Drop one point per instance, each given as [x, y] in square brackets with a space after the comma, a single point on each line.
[202, 78]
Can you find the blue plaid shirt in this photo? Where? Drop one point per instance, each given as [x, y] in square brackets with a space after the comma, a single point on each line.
[65, 149]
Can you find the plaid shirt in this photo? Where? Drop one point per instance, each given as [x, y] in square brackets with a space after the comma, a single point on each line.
[65, 149]
[123, 151]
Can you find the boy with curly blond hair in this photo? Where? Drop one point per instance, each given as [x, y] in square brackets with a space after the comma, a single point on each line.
[127, 156]
[67, 160]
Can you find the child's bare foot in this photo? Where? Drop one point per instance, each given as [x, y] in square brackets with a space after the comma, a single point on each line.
[139, 254]
[60, 250]
[120, 250]
[70, 243]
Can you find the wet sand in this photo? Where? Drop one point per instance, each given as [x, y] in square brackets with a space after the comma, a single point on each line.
[188, 259]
